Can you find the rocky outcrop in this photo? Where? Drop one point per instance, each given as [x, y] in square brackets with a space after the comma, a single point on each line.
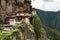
[9, 7]
[27, 35]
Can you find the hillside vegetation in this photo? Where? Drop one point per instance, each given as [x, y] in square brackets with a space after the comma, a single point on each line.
[22, 27]
[50, 19]
[42, 32]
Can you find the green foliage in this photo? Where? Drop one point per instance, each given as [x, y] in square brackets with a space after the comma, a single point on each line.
[7, 35]
[52, 33]
[22, 26]
[36, 22]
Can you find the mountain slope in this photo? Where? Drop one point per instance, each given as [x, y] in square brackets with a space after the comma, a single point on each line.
[51, 19]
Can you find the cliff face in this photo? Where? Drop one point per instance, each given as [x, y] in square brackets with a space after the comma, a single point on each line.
[8, 7]
[27, 35]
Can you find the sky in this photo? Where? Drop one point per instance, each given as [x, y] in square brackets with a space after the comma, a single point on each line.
[47, 5]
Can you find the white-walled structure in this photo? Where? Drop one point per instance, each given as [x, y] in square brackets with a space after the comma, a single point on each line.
[12, 22]
[33, 11]
[18, 17]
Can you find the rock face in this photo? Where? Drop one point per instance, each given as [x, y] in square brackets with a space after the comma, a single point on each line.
[9, 7]
[27, 35]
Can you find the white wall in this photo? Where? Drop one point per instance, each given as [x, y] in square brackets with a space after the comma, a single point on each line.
[33, 12]
[12, 22]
